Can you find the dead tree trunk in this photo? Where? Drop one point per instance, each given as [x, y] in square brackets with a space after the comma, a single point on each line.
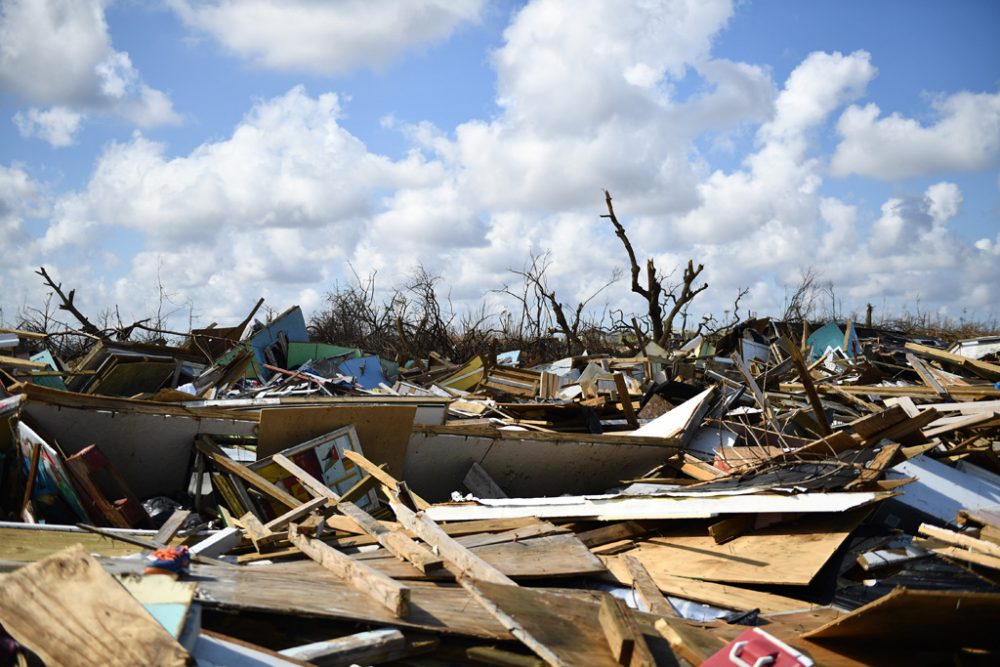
[653, 292]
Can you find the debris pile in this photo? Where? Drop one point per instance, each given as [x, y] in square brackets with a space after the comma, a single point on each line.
[786, 492]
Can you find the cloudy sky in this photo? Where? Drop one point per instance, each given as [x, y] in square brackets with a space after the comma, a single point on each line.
[216, 151]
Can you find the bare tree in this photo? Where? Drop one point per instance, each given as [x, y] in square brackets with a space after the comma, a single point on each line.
[541, 311]
[657, 296]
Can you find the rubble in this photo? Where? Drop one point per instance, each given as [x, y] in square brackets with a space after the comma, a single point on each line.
[822, 493]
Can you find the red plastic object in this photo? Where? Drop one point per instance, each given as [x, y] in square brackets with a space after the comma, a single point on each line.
[756, 648]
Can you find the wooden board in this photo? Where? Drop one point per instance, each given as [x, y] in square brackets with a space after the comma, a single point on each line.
[551, 556]
[720, 595]
[307, 589]
[69, 611]
[920, 618]
[24, 542]
[383, 430]
[570, 626]
[789, 553]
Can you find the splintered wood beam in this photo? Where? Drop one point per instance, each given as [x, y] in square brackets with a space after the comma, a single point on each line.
[218, 457]
[807, 383]
[626, 400]
[691, 643]
[512, 625]
[468, 563]
[257, 532]
[383, 589]
[382, 476]
[755, 389]
[171, 526]
[627, 643]
[397, 543]
[645, 588]
[313, 485]
[365, 648]
[925, 374]
[296, 513]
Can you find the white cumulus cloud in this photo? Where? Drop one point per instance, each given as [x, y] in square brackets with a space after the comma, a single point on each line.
[59, 53]
[325, 37]
[966, 137]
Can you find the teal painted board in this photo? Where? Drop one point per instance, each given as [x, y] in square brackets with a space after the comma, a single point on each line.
[53, 381]
[831, 335]
[299, 353]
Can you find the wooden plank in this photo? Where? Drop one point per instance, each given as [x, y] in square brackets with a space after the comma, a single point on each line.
[893, 390]
[305, 588]
[720, 595]
[566, 625]
[880, 420]
[258, 534]
[926, 375]
[15, 362]
[755, 389]
[217, 456]
[549, 556]
[920, 618]
[807, 383]
[959, 553]
[69, 611]
[625, 399]
[616, 629]
[397, 543]
[967, 541]
[615, 508]
[296, 513]
[905, 428]
[983, 369]
[383, 477]
[613, 532]
[367, 648]
[479, 482]
[645, 588]
[389, 593]
[467, 562]
[171, 526]
[734, 526]
[874, 469]
[691, 643]
[514, 626]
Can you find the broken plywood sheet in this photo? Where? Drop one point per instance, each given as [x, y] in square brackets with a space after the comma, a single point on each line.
[69, 611]
[920, 618]
[527, 464]
[788, 554]
[383, 430]
[611, 507]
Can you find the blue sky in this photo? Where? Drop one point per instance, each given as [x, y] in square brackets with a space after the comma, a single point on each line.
[228, 150]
